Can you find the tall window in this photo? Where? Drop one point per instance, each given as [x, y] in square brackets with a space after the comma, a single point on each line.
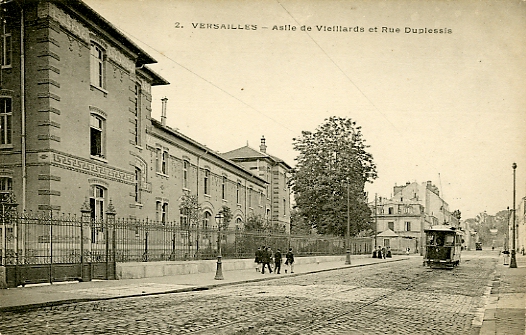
[407, 226]
[97, 203]
[6, 184]
[206, 182]
[138, 177]
[390, 225]
[223, 188]
[161, 209]
[249, 197]
[97, 66]
[6, 117]
[137, 112]
[7, 50]
[238, 193]
[206, 220]
[185, 174]
[268, 182]
[162, 161]
[284, 207]
[97, 136]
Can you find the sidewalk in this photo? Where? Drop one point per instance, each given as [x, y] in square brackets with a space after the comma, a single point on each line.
[506, 308]
[34, 296]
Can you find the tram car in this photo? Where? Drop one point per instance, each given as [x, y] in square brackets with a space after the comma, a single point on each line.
[443, 246]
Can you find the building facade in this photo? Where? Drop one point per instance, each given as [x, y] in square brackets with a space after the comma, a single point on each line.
[412, 208]
[276, 173]
[76, 128]
[520, 227]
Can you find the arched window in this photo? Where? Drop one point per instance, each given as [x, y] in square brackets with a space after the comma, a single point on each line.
[206, 220]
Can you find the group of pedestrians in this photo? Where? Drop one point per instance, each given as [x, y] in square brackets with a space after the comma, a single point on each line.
[382, 252]
[265, 257]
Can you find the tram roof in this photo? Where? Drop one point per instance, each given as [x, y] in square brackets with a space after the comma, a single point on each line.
[445, 228]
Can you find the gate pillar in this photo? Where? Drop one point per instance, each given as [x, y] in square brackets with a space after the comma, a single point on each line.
[7, 204]
[110, 228]
[84, 220]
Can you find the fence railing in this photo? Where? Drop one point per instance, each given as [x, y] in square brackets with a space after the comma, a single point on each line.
[48, 239]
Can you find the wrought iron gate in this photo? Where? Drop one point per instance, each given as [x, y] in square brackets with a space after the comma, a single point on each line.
[47, 249]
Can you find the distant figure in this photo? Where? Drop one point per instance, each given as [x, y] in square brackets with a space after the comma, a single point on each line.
[257, 260]
[379, 252]
[383, 252]
[522, 251]
[389, 255]
[265, 259]
[290, 260]
[374, 252]
[277, 261]
[407, 251]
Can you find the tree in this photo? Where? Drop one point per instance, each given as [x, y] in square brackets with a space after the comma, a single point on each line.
[298, 225]
[457, 214]
[332, 163]
[227, 216]
[191, 207]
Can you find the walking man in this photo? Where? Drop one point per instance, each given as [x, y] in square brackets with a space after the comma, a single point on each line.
[277, 261]
[257, 260]
[290, 261]
[265, 259]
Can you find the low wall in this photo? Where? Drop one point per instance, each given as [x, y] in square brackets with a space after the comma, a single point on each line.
[135, 270]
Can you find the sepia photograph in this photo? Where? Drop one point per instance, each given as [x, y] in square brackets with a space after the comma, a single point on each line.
[250, 167]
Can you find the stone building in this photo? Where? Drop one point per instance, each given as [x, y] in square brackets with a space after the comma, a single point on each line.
[76, 128]
[275, 172]
[401, 220]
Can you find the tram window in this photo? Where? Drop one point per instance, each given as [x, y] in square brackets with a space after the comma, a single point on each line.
[430, 239]
[449, 239]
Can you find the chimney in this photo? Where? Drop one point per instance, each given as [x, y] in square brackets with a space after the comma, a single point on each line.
[163, 111]
[263, 147]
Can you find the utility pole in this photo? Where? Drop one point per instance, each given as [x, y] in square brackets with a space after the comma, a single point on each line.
[513, 262]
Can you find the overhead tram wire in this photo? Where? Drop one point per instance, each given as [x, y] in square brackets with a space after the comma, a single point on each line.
[209, 82]
[354, 84]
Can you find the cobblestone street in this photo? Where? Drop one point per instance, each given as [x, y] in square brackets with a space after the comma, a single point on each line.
[392, 298]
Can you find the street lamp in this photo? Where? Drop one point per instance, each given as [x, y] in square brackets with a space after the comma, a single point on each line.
[219, 269]
[513, 262]
[347, 238]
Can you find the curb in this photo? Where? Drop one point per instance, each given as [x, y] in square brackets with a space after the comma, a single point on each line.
[182, 290]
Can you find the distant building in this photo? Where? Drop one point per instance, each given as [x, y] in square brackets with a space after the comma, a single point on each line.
[401, 220]
[275, 172]
[520, 226]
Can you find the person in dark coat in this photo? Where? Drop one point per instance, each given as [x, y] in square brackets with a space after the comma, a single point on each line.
[389, 255]
[277, 261]
[379, 252]
[257, 260]
[290, 260]
[265, 259]
[384, 253]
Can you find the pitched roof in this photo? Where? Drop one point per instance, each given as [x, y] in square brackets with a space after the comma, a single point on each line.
[387, 233]
[247, 153]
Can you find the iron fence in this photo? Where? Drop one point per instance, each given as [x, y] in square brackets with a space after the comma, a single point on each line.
[48, 239]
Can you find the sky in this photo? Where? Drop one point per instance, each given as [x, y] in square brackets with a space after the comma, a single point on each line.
[448, 106]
